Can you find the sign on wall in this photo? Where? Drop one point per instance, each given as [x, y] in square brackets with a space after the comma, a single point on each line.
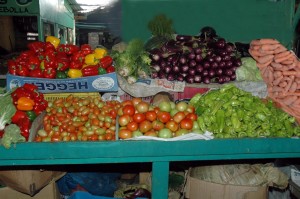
[18, 7]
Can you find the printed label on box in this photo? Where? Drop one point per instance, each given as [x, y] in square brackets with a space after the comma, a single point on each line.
[100, 83]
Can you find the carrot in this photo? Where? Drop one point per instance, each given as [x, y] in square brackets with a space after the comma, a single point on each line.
[289, 62]
[265, 59]
[288, 86]
[289, 73]
[280, 49]
[277, 66]
[276, 89]
[277, 80]
[293, 87]
[269, 41]
[254, 47]
[293, 93]
[288, 100]
[270, 75]
[263, 65]
[265, 52]
[254, 53]
[277, 74]
[283, 84]
[270, 47]
[283, 56]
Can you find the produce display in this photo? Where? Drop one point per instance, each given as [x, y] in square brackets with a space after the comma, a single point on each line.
[280, 69]
[51, 60]
[229, 112]
[21, 107]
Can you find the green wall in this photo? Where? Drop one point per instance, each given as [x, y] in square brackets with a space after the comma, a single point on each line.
[235, 20]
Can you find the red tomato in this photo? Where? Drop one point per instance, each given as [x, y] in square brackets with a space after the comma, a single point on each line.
[157, 125]
[126, 102]
[172, 125]
[192, 116]
[129, 110]
[179, 116]
[186, 123]
[139, 117]
[132, 126]
[125, 134]
[164, 116]
[145, 126]
[151, 133]
[151, 115]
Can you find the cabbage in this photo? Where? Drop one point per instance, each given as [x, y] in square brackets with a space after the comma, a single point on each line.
[12, 135]
[7, 109]
[248, 71]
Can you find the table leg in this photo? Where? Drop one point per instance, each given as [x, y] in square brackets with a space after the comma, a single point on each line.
[160, 180]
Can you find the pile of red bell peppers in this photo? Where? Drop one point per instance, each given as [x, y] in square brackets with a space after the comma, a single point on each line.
[29, 104]
[53, 60]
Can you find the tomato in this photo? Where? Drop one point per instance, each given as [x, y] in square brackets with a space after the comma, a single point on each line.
[190, 109]
[136, 100]
[113, 113]
[109, 136]
[165, 106]
[181, 132]
[145, 126]
[151, 115]
[186, 123]
[132, 126]
[142, 107]
[172, 125]
[129, 110]
[136, 133]
[151, 133]
[126, 102]
[192, 116]
[56, 138]
[124, 120]
[181, 106]
[179, 116]
[164, 116]
[157, 125]
[165, 133]
[125, 134]
[139, 117]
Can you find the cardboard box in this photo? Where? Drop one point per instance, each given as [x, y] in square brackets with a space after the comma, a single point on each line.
[100, 83]
[199, 189]
[49, 192]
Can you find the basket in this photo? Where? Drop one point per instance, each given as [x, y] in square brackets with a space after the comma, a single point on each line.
[53, 96]
[294, 188]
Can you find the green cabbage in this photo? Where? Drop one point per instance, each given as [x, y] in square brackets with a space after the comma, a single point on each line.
[7, 109]
[12, 135]
[248, 71]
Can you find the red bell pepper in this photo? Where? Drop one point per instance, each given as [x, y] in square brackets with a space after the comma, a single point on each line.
[106, 61]
[26, 54]
[49, 62]
[78, 56]
[110, 69]
[62, 64]
[48, 46]
[36, 46]
[17, 116]
[86, 49]
[49, 73]
[90, 71]
[37, 72]
[75, 65]
[20, 92]
[30, 87]
[24, 125]
[70, 49]
[33, 62]
[22, 70]
[40, 106]
[12, 67]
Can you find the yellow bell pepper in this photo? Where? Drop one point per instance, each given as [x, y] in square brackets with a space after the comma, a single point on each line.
[74, 73]
[53, 40]
[90, 59]
[25, 104]
[100, 53]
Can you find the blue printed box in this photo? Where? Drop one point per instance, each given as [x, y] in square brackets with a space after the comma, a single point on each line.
[100, 83]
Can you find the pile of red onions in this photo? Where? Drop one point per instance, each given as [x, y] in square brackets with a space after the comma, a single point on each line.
[206, 58]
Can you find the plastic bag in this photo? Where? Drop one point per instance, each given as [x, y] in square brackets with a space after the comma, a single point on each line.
[99, 184]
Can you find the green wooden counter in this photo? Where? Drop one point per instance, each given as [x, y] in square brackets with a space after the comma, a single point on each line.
[159, 153]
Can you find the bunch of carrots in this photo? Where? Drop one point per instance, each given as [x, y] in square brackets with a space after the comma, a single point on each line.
[280, 70]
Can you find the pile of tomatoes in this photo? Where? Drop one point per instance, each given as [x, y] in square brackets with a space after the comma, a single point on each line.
[79, 119]
[167, 120]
